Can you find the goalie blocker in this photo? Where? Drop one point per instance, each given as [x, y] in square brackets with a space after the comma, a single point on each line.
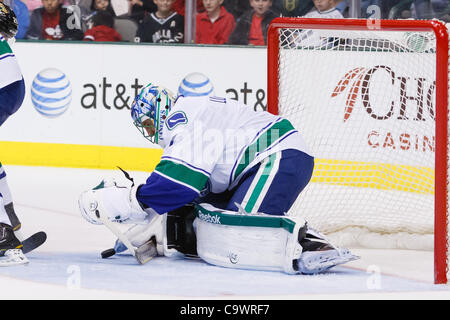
[230, 239]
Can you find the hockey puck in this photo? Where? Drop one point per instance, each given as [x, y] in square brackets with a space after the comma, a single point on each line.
[108, 253]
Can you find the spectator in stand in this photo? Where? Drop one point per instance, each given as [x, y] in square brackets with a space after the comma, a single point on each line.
[23, 18]
[33, 4]
[324, 9]
[292, 8]
[82, 9]
[180, 5]
[343, 7]
[51, 22]
[429, 9]
[441, 9]
[139, 9]
[103, 28]
[309, 38]
[102, 6]
[253, 25]
[440, 5]
[417, 9]
[237, 7]
[163, 26]
[215, 25]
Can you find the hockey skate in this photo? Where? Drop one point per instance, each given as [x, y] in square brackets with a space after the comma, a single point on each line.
[10, 247]
[318, 254]
[32, 242]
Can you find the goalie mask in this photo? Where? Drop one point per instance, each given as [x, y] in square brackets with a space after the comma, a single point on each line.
[150, 109]
[8, 21]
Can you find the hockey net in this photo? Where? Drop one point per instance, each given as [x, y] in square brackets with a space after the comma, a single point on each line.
[370, 99]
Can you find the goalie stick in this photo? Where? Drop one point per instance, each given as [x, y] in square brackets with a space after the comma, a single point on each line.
[143, 254]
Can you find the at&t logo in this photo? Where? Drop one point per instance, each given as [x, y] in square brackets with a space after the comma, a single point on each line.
[51, 93]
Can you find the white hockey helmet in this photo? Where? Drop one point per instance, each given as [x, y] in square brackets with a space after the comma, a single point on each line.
[153, 102]
[196, 85]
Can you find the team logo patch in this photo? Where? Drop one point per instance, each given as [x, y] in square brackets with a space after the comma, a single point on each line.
[176, 119]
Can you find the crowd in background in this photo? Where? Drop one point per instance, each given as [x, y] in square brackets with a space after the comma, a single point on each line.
[235, 22]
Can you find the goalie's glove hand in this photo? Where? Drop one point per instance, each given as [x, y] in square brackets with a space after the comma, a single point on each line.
[117, 203]
[139, 234]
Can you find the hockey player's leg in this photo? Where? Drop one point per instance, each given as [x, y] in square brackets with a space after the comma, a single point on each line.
[10, 246]
[7, 239]
[263, 242]
[273, 185]
[7, 200]
[11, 98]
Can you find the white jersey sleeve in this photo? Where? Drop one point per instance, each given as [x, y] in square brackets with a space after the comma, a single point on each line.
[10, 71]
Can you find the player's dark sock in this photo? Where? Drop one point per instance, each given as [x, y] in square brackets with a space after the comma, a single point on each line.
[15, 222]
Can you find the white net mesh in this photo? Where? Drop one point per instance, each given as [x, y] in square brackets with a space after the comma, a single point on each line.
[365, 103]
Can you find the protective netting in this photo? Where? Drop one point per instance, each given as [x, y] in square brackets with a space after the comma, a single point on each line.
[364, 102]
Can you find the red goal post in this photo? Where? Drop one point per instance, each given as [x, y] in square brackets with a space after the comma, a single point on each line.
[374, 37]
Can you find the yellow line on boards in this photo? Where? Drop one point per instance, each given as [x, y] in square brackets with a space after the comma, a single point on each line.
[78, 156]
[357, 174]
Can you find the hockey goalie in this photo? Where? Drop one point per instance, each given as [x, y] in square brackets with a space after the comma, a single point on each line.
[221, 191]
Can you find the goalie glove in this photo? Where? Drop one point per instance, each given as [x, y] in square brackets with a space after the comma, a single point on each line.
[117, 203]
[139, 234]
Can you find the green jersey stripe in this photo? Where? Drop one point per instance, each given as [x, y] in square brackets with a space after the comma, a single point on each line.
[183, 174]
[270, 136]
[245, 220]
[262, 180]
[4, 48]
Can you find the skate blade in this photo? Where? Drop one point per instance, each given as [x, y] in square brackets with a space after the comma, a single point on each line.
[13, 257]
[320, 261]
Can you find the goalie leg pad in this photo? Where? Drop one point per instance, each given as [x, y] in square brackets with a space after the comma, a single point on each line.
[263, 242]
[256, 242]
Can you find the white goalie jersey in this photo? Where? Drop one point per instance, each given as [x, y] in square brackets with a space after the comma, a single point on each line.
[209, 143]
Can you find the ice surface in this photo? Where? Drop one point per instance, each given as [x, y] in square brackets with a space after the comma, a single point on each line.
[69, 266]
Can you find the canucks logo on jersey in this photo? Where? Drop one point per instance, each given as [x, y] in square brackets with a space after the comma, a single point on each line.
[176, 119]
